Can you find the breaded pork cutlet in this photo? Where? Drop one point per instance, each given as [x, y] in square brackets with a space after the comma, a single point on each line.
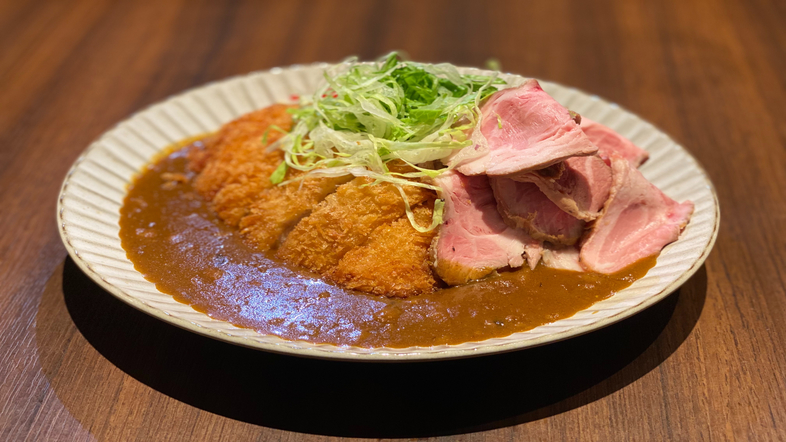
[278, 209]
[250, 126]
[393, 261]
[344, 220]
[237, 152]
[328, 217]
[238, 165]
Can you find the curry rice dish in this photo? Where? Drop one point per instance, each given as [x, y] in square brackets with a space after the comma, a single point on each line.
[348, 259]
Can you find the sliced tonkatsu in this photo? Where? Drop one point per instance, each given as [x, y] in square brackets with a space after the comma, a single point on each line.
[392, 261]
[344, 220]
[279, 209]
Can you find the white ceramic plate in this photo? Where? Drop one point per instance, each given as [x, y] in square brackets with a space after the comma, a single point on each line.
[93, 191]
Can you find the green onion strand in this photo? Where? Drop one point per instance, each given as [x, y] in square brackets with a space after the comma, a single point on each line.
[368, 114]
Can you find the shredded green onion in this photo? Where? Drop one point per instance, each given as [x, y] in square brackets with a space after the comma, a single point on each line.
[278, 175]
[368, 114]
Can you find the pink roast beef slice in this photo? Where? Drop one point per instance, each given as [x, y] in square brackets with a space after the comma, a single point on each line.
[473, 240]
[524, 206]
[581, 188]
[637, 221]
[610, 142]
[563, 258]
[525, 130]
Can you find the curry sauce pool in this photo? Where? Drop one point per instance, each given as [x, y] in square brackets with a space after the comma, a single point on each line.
[178, 243]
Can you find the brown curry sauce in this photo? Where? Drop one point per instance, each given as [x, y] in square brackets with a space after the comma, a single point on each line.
[178, 243]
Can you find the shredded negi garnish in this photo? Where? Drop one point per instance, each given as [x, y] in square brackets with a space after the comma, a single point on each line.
[369, 114]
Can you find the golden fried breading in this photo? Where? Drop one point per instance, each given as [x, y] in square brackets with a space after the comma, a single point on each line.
[236, 155]
[234, 200]
[200, 152]
[328, 217]
[392, 262]
[344, 220]
[278, 209]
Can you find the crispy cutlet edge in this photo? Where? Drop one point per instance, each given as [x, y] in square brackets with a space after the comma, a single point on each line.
[217, 142]
[330, 274]
[285, 196]
[284, 252]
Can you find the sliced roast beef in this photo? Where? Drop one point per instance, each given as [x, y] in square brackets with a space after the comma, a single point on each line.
[638, 220]
[524, 206]
[610, 142]
[564, 258]
[580, 189]
[473, 239]
[524, 129]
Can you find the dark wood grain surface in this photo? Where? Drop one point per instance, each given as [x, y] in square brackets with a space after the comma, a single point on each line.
[708, 363]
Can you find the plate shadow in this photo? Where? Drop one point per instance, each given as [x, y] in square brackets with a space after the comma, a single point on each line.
[380, 399]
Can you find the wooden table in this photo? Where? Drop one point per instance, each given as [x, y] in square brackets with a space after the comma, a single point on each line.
[707, 363]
